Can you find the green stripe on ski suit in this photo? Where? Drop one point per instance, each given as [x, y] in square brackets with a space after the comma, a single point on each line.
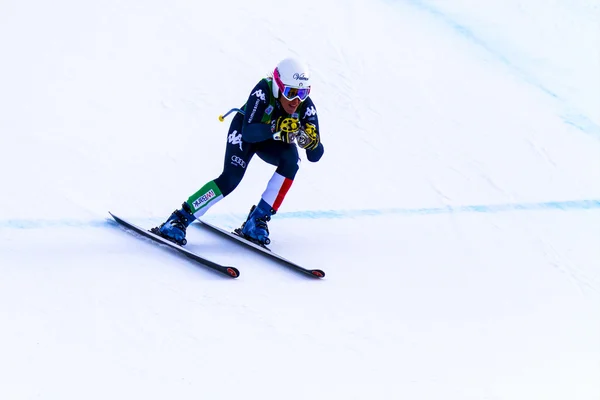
[203, 197]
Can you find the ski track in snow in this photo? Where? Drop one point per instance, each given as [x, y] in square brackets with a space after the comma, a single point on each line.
[570, 115]
[329, 214]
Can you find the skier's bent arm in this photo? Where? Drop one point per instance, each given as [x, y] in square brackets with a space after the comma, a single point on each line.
[253, 129]
[256, 132]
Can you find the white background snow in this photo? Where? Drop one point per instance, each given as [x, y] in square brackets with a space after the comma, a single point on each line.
[456, 210]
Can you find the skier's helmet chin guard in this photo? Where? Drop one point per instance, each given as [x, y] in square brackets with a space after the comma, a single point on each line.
[291, 78]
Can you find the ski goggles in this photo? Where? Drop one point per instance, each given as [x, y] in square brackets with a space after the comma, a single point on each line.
[290, 92]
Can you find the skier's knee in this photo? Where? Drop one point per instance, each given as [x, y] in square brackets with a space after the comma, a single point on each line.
[288, 169]
[228, 182]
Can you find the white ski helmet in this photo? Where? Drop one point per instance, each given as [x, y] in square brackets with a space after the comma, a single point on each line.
[291, 77]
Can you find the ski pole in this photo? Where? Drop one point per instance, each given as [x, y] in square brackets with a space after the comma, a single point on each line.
[222, 117]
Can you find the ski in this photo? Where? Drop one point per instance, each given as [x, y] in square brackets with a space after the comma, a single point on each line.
[315, 273]
[229, 271]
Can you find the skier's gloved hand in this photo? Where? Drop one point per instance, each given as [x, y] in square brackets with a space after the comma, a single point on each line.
[308, 138]
[285, 129]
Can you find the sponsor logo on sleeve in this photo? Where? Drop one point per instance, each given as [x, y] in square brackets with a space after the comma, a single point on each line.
[261, 97]
[260, 94]
[310, 111]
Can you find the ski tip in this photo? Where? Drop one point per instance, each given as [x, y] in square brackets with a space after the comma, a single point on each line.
[318, 273]
[233, 272]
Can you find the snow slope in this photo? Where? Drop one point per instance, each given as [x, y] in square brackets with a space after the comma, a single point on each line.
[455, 212]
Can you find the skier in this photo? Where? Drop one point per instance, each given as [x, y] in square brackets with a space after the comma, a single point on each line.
[278, 114]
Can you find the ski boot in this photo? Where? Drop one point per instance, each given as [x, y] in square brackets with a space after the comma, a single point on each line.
[173, 229]
[255, 228]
